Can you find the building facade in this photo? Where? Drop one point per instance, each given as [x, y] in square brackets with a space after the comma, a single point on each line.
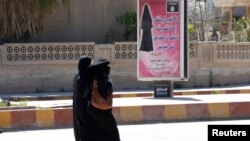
[84, 20]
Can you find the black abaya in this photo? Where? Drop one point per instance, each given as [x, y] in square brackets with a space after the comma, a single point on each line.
[146, 25]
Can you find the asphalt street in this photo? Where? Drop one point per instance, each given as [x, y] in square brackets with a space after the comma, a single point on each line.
[174, 131]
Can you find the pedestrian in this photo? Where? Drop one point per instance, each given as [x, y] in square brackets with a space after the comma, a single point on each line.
[98, 122]
[80, 100]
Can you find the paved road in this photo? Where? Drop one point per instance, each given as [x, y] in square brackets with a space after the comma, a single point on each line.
[188, 131]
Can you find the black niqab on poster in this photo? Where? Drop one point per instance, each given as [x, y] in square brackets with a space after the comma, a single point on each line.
[146, 25]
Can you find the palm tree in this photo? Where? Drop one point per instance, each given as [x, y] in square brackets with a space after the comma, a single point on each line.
[20, 19]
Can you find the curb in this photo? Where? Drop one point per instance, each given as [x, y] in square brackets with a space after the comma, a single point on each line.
[62, 117]
[132, 94]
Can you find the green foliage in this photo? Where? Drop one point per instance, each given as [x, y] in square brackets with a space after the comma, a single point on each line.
[242, 29]
[22, 19]
[248, 35]
[66, 3]
[191, 31]
[129, 21]
[110, 35]
[241, 23]
[191, 28]
[7, 103]
[4, 103]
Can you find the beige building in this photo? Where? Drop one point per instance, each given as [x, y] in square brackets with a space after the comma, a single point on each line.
[236, 7]
[89, 20]
[84, 21]
[232, 9]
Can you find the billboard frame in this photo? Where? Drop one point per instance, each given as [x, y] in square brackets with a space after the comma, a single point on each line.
[183, 76]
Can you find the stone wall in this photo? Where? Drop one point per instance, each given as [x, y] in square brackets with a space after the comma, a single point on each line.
[51, 67]
[218, 64]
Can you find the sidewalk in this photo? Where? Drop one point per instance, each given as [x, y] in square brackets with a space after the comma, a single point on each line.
[49, 110]
[244, 89]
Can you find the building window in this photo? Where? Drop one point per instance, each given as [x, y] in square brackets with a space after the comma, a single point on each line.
[238, 12]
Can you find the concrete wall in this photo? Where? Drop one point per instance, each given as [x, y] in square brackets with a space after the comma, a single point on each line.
[85, 20]
[50, 67]
[218, 64]
[19, 77]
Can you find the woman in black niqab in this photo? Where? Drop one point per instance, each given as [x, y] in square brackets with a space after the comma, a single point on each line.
[146, 25]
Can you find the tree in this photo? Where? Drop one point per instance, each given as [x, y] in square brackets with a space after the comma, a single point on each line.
[129, 20]
[197, 9]
[21, 19]
[202, 18]
[242, 29]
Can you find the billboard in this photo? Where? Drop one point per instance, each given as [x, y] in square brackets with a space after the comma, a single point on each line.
[162, 40]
